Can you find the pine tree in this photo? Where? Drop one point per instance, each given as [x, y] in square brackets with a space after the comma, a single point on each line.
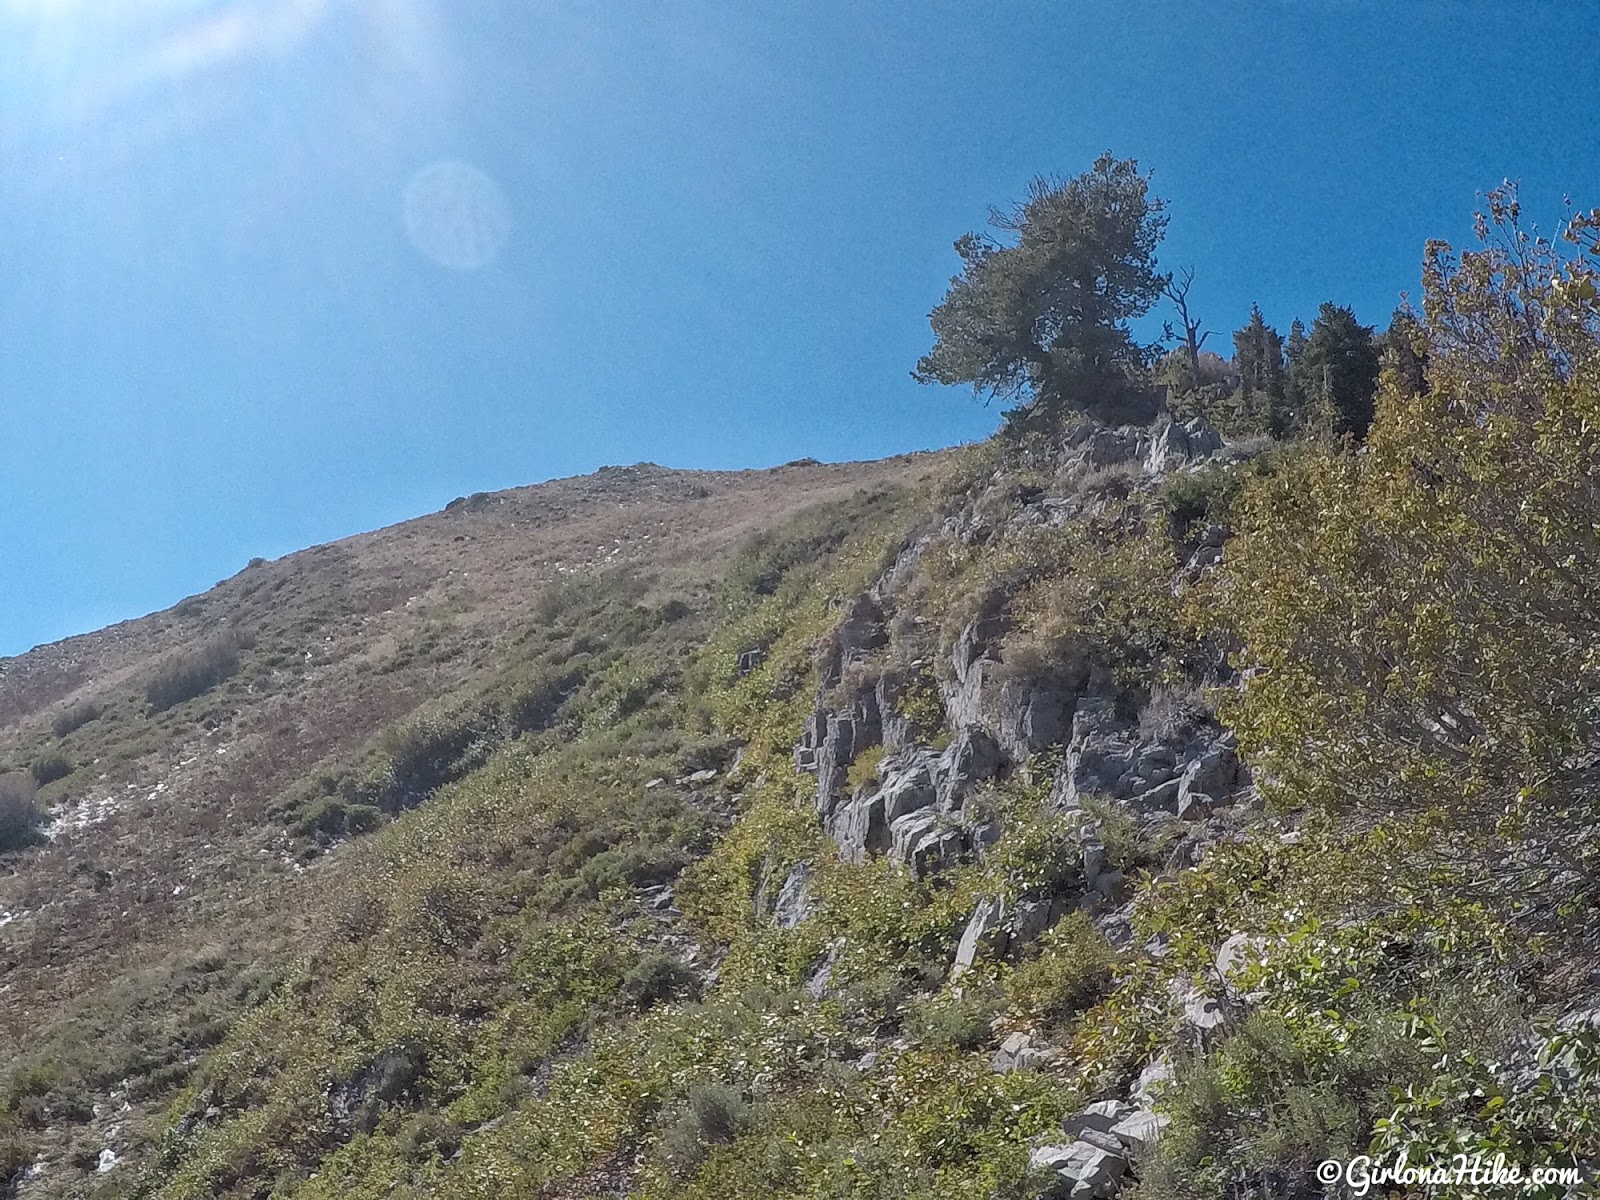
[1258, 356]
[1404, 351]
[1295, 398]
[1041, 312]
[1338, 372]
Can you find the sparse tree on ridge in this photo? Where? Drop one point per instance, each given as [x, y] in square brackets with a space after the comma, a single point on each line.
[1177, 291]
[1039, 314]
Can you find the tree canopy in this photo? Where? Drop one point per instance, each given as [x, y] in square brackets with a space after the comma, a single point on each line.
[1039, 314]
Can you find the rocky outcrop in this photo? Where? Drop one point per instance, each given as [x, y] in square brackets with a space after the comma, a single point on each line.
[831, 742]
[1105, 1140]
[916, 809]
[1083, 1171]
[795, 903]
[985, 932]
[1106, 757]
[1175, 445]
[1020, 1052]
[1023, 714]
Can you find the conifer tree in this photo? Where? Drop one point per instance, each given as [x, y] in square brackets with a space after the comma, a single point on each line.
[1258, 356]
[1338, 372]
[1040, 313]
[1295, 400]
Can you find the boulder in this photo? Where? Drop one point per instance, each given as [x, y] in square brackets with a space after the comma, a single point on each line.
[821, 977]
[839, 737]
[1175, 445]
[1153, 1079]
[1100, 1116]
[971, 665]
[934, 850]
[1111, 447]
[796, 904]
[1140, 1130]
[1203, 1014]
[1236, 954]
[1019, 1052]
[1083, 1171]
[1032, 919]
[985, 930]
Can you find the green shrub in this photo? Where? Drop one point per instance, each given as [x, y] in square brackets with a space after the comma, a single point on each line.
[76, 717]
[657, 977]
[961, 1022]
[1189, 496]
[194, 672]
[712, 1115]
[1119, 833]
[431, 749]
[864, 769]
[19, 814]
[50, 767]
[1071, 971]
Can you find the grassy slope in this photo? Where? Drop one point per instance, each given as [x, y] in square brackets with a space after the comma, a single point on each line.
[183, 889]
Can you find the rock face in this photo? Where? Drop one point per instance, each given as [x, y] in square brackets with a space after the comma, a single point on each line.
[795, 902]
[1106, 757]
[1023, 715]
[985, 931]
[916, 809]
[1174, 445]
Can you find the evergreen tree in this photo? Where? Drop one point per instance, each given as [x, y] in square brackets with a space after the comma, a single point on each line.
[1295, 400]
[1338, 372]
[1258, 356]
[1040, 315]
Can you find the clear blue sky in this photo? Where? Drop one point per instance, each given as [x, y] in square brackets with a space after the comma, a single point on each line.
[712, 239]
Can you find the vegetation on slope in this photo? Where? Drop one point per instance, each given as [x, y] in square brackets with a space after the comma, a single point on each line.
[552, 963]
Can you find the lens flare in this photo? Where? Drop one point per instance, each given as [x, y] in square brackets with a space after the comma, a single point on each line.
[456, 215]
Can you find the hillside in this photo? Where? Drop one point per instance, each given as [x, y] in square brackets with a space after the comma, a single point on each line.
[174, 887]
[1106, 809]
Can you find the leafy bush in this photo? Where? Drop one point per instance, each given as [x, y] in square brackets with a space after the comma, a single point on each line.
[961, 1022]
[1189, 496]
[1070, 971]
[864, 769]
[50, 767]
[76, 717]
[433, 748]
[19, 814]
[196, 671]
[657, 977]
[712, 1115]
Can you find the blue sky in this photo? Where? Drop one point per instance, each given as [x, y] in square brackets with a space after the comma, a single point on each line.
[723, 228]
